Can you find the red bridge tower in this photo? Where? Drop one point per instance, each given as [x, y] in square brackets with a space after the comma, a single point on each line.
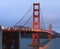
[36, 24]
[50, 30]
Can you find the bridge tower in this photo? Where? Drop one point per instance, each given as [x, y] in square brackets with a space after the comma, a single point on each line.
[36, 24]
[50, 30]
[50, 27]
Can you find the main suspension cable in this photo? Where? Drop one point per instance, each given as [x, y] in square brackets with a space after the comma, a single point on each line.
[23, 17]
[27, 21]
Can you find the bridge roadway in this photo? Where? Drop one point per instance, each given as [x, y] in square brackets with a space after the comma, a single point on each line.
[29, 30]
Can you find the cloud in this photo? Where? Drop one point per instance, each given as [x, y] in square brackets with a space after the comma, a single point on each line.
[11, 10]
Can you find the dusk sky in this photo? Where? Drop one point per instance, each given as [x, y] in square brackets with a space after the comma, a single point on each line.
[13, 10]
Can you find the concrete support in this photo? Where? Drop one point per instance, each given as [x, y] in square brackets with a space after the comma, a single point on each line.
[49, 37]
[19, 39]
[10, 40]
[0, 39]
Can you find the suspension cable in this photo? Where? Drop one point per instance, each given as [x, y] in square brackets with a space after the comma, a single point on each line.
[23, 17]
[43, 19]
[27, 20]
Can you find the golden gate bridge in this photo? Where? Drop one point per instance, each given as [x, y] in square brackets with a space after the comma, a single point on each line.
[11, 35]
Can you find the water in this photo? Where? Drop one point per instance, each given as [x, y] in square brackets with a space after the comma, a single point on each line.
[24, 42]
[53, 44]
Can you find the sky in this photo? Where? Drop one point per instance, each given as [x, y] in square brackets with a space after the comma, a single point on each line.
[12, 10]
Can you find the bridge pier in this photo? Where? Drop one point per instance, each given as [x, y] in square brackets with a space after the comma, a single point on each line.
[49, 37]
[35, 39]
[10, 40]
[0, 39]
